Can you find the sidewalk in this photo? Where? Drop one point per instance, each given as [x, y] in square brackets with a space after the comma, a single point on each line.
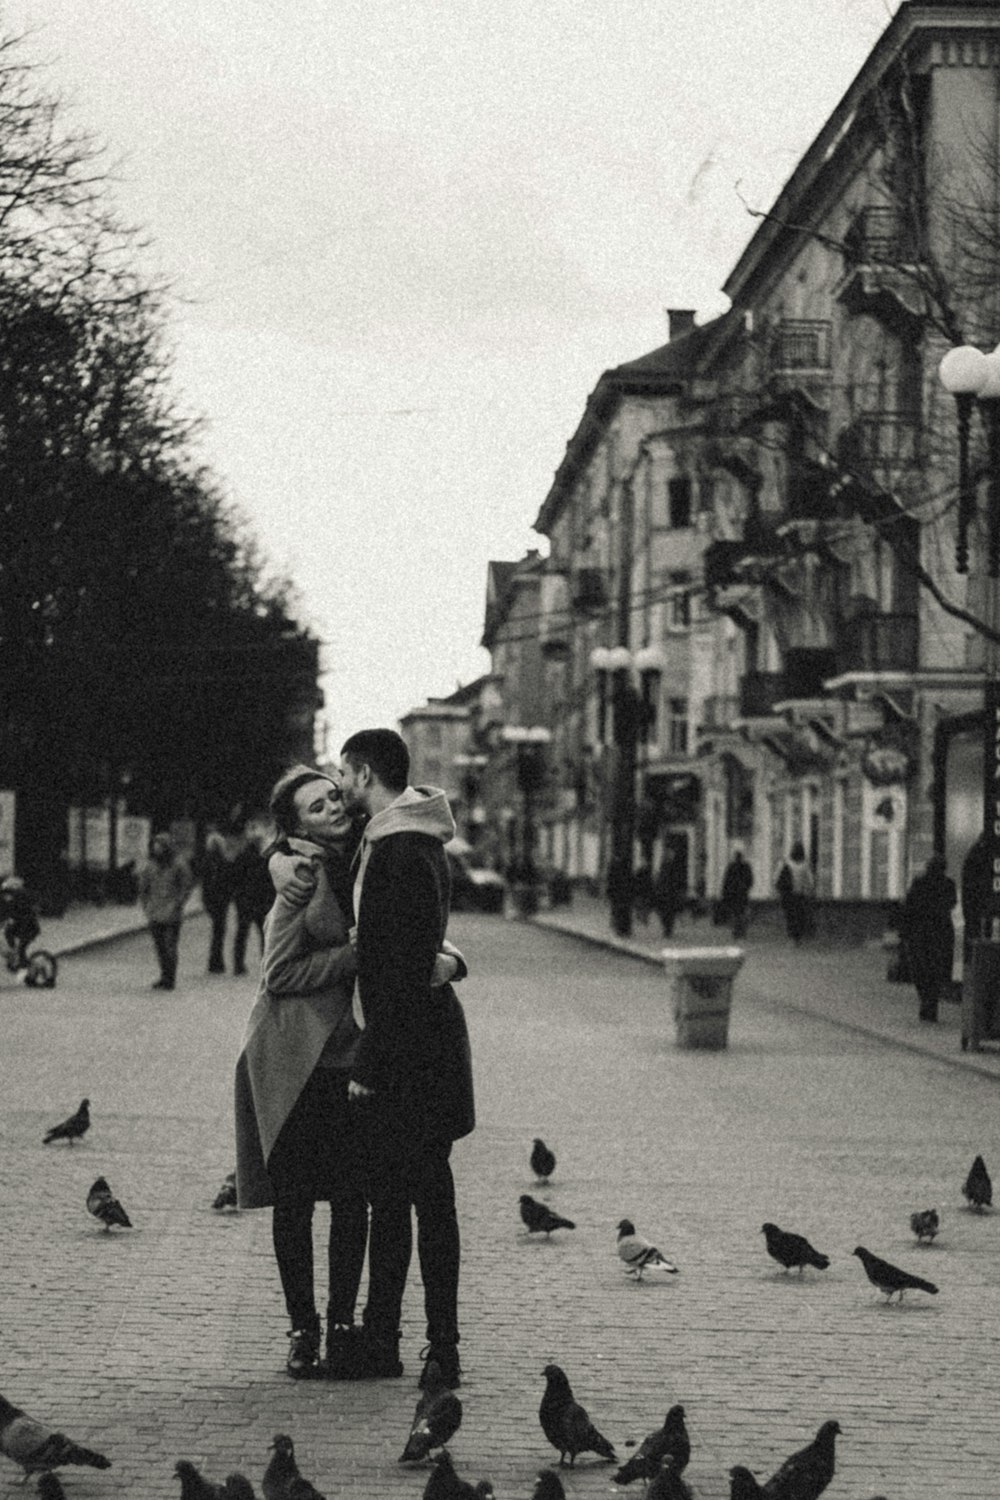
[845, 985]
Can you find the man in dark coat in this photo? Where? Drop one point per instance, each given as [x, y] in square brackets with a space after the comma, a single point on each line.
[412, 1073]
[928, 932]
[734, 898]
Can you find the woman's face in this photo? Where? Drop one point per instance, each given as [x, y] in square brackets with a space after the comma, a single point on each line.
[320, 811]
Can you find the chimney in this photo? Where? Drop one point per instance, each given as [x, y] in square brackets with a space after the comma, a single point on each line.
[680, 320]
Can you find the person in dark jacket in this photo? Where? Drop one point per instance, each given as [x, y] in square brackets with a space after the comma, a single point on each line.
[412, 1074]
[928, 931]
[669, 896]
[734, 897]
[253, 895]
[223, 843]
[976, 875]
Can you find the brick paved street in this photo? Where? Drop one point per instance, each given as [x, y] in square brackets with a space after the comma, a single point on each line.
[169, 1341]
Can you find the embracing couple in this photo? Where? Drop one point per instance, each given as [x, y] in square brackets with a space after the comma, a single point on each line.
[354, 1076]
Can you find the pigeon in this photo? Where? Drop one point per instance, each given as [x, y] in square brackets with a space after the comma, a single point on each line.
[444, 1483]
[671, 1438]
[889, 1278]
[537, 1217]
[226, 1196]
[806, 1474]
[668, 1484]
[743, 1485]
[790, 1249]
[72, 1129]
[565, 1422]
[194, 1486]
[978, 1187]
[437, 1418]
[104, 1206]
[238, 1487]
[37, 1447]
[50, 1488]
[639, 1255]
[282, 1480]
[548, 1486]
[543, 1161]
[925, 1224]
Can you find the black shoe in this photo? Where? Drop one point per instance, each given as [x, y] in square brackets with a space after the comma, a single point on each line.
[303, 1353]
[446, 1358]
[159, 984]
[378, 1356]
[343, 1352]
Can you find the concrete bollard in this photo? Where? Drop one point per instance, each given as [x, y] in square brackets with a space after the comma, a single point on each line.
[701, 983]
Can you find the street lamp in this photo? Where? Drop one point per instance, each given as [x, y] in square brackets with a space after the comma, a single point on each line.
[971, 376]
[630, 711]
[529, 741]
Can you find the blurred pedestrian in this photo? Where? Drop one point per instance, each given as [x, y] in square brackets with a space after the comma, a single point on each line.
[165, 882]
[928, 931]
[642, 893]
[223, 843]
[19, 916]
[976, 892]
[734, 897]
[669, 895]
[795, 887]
[253, 894]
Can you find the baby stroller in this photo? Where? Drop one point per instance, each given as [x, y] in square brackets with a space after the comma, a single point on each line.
[19, 926]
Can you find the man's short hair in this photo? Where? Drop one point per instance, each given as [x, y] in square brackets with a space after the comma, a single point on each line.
[384, 752]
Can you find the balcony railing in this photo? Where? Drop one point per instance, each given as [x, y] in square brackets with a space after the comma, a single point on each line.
[879, 643]
[800, 344]
[719, 710]
[888, 439]
[880, 235]
[589, 588]
[759, 692]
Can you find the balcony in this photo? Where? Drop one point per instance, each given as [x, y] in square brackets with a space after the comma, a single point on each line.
[801, 346]
[760, 691]
[889, 440]
[719, 710]
[555, 625]
[879, 278]
[719, 562]
[878, 643]
[730, 410]
[589, 588]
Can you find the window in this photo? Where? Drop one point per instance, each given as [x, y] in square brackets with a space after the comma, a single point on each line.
[679, 501]
[678, 744]
[678, 601]
[433, 734]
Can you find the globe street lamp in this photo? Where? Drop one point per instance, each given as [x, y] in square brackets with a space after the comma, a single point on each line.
[972, 376]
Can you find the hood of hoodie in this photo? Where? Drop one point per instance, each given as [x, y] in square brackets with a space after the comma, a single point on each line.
[419, 809]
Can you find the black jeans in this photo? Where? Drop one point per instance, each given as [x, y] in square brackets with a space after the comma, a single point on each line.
[408, 1172]
[166, 939]
[216, 958]
[244, 923]
[317, 1158]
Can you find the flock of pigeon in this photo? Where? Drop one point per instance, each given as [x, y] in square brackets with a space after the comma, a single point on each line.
[659, 1460]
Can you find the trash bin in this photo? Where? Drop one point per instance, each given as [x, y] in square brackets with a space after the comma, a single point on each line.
[701, 981]
[981, 995]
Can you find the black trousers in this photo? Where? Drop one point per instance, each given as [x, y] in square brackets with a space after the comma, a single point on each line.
[317, 1158]
[216, 958]
[409, 1171]
[166, 940]
[244, 923]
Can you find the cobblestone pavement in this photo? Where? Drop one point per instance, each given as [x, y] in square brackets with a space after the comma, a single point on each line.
[169, 1341]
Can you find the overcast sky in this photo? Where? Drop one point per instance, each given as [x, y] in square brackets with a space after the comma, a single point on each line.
[409, 236]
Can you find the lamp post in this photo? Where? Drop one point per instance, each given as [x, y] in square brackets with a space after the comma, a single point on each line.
[529, 742]
[630, 711]
[972, 376]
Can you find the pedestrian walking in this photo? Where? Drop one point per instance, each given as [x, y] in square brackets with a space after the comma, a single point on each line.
[668, 894]
[642, 893]
[253, 895]
[19, 918]
[976, 879]
[296, 1139]
[928, 932]
[734, 897]
[412, 1074]
[223, 843]
[795, 887]
[165, 882]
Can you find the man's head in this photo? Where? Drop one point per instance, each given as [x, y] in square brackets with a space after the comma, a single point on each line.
[162, 848]
[374, 766]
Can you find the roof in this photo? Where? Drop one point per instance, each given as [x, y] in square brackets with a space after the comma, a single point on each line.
[661, 372]
[502, 579]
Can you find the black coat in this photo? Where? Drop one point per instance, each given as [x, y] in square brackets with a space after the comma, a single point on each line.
[414, 1051]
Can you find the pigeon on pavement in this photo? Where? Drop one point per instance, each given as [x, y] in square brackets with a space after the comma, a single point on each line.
[640, 1255]
[226, 1196]
[978, 1187]
[566, 1423]
[671, 1438]
[925, 1224]
[543, 1161]
[50, 1488]
[806, 1473]
[72, 1129]
[889, 1278]
[548, 1486]
[538, 1217]
[102, 1203]
[37, 1447]
[282, 1480]
[668, 1484]
[437, 1418]
[444, 1484]
[790, 1249]
[194, 1485]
